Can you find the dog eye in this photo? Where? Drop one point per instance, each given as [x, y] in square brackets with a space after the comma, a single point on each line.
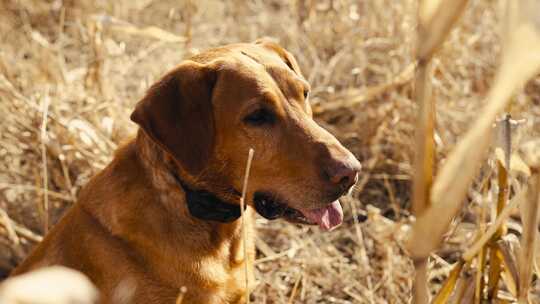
[259, 117]
[306, 94]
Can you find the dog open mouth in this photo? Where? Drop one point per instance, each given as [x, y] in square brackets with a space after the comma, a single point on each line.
[327, 217]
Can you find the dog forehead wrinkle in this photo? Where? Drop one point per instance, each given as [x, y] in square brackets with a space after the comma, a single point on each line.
[248, 73]
[251, 57]
[271, 64]
[268, 79]
[290, 85]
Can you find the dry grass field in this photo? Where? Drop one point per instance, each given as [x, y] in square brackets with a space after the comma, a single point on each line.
[72, 70]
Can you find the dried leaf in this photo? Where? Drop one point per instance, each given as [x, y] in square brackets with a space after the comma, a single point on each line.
[518, 165]
[465, 289]
[128, 28]
[476, 246]
[530, 234]
[151, 32]
[494, 274]
[449, 285]
[480, 281]
[509, 275]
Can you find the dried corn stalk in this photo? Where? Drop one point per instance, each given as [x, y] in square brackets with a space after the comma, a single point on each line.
[435, 21]
[520, 61]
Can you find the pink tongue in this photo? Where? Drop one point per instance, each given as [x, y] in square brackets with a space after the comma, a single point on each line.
[326, 217]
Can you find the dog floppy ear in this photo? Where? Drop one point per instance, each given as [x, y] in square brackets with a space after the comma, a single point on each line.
[177, 114]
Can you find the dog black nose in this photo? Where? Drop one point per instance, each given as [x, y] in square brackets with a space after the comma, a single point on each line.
[343, 173]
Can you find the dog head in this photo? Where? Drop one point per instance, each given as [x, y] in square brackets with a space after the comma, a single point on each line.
[211, 109]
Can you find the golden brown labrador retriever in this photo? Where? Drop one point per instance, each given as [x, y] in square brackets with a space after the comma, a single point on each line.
[163, 215]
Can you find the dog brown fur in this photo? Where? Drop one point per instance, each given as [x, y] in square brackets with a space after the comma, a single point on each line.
[131, 226]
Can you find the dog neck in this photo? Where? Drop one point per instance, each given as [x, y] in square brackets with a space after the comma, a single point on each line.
[208, 207]
[201, 204]
[148, 210]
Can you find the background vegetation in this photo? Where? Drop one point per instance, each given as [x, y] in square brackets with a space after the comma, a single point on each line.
[71, 71]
